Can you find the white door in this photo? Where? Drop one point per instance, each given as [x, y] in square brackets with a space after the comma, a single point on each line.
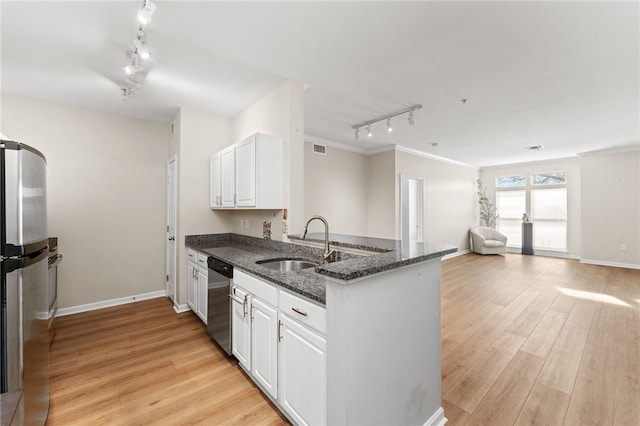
[264, 346]
[227, 177]
[171, 229]
[215, 182]
[411, 209]
[303, 373]
[241, 327]
[246, 172]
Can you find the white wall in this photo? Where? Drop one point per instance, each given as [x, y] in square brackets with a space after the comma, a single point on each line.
[106, 196]
[574, 201]
[450, 206]
[337, 190]
[197, 136]
[278, 113]
[611, 208]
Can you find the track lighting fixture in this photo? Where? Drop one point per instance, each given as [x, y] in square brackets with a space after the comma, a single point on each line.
[140, 51]
[144, 15]
[387, 117]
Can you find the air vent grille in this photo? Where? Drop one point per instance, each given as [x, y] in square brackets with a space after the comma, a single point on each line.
[320, 149]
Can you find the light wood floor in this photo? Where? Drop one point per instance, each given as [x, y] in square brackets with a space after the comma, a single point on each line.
[526, 340]
[142, 364]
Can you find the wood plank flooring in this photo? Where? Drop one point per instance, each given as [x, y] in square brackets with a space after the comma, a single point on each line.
[526, 340]
[142, 363]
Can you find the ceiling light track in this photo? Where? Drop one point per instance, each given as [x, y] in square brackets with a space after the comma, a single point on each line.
[140, 53]
[386, 118]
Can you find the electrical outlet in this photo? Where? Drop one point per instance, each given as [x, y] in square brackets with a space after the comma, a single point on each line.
[623, 246]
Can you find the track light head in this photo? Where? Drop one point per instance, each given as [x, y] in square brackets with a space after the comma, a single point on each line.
[369, 134]
[141, 49]
[411, 120]
[357, 133]
[144, 15]
[389, 128]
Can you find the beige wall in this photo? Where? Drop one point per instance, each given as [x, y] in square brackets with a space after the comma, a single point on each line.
[382, 198]
[450, 206]
[574, 202]
[106, 196]
[197, 136]
[279, 113]
[337, 190]
[611, 208]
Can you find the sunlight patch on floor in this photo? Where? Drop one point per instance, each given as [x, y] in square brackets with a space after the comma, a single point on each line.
[596, 297]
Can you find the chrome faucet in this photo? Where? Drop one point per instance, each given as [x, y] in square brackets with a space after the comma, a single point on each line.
[329, 255]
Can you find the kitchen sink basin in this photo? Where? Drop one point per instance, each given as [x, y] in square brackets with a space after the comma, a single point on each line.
[287, 265]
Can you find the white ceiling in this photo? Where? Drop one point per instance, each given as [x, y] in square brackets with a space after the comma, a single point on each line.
[560, 74]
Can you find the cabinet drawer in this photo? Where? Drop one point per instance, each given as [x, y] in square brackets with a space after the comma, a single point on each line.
[257, 287]
[306, 312]
[192, 255]
[202, 260]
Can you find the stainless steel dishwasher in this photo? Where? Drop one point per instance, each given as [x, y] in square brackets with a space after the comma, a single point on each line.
[218, 302]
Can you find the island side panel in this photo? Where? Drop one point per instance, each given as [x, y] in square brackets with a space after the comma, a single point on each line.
[383, 348]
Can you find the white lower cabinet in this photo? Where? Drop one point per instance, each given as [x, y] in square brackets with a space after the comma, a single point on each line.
[192, 284]
[241, 327]
[303, 373]
[197, 282]
[264, 346]
[282, 347]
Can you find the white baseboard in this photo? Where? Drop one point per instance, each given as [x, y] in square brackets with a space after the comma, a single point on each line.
[109, 303]
[456, 254]
[181, 308]
[606, 263]
[437, 419]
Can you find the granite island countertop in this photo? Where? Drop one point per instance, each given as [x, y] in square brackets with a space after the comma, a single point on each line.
[243, 252]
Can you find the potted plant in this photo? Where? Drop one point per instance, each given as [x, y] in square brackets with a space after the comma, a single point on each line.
[487, 209]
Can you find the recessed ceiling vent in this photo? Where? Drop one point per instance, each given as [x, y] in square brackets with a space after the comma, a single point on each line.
[535, 147]
[319, 149]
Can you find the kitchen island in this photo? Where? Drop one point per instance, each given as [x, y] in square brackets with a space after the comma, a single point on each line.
[382, 324]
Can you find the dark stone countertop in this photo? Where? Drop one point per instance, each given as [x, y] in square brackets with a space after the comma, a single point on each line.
[243, 252]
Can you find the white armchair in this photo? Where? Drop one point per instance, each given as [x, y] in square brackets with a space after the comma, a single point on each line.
[487, 241]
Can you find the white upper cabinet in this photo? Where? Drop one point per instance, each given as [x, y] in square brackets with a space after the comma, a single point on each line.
[227, 175]
[249, 174]
[215, 200]
[246, 173]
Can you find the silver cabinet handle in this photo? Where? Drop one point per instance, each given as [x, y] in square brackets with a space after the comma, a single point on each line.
[297, 311]
[279, 327]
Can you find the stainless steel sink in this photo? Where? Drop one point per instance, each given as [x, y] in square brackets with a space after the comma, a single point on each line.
[287, 265]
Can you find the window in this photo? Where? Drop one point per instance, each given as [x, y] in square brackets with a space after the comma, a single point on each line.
[510, 181]
[551, 178]
[510, 205]
[544, 199]
[549, 214]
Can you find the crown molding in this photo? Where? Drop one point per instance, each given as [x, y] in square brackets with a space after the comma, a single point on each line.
[435, 157]
[615, 150]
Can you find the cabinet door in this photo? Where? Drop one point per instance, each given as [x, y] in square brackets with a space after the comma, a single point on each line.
[246, 173]
[192, 284]
[303, 373]
[264, 346]
[241, 327]
[201, 297]
[215, 182]
[227, 176]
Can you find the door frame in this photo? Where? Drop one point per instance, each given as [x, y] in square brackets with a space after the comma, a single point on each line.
[405, 198]
[172, 275]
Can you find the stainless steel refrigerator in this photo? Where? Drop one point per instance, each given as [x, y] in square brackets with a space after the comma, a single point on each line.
[24, 349]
